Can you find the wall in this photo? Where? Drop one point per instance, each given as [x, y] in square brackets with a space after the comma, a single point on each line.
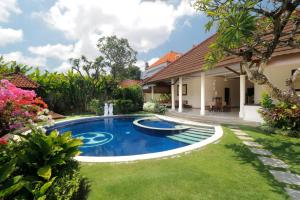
[193, 90]
[278, 71]
[251, 114]
[147, 96]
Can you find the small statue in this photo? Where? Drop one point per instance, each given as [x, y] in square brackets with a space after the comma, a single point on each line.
[105, 109]
[111, 109]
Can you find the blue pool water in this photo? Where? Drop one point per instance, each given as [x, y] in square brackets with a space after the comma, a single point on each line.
[117, 137]
[158, 123]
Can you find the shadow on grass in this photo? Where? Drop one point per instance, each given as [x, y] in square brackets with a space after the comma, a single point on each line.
[285, 148]
[245, 156]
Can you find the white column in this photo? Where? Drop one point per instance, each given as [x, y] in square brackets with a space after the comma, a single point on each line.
[173, 93]
[242, 94]
[152, 92]
[202, 105]
[180, 95]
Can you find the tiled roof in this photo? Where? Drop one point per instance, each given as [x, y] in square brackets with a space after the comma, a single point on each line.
[21, 81]
[193, 60]
[129, 83]
[189, 62]
[167, 58]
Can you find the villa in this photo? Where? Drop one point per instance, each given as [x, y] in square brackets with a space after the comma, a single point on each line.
[221, 92]
[160, 88]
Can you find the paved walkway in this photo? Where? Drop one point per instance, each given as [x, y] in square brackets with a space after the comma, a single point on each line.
[279, 169]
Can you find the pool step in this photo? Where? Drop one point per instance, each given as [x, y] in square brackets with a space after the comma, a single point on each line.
[193, 135]
[198, 132]
[181, 139]
[202, 130]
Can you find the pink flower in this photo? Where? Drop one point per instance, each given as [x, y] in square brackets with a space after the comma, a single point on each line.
[3, 140]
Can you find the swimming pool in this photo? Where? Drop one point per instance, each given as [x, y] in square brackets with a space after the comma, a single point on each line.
[117, 138]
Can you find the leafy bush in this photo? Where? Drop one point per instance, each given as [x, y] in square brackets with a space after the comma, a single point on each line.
[281, 118]
[154, 107]
[165, 98]
[123, 106]
[128, 100]
[39, 166]
[95, 106]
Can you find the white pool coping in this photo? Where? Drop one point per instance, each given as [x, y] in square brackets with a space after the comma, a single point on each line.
[113, 159]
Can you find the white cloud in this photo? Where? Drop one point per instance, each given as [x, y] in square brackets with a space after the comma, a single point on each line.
[7, 7]
[153, 60]
[57, 51]
[64, 67]
[146, 24]
[8, 35]
[20, 58]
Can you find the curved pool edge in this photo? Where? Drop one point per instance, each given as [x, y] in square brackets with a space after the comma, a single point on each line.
[115, 159]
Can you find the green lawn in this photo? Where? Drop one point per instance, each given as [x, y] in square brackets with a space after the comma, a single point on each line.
[226, 170]
[284, 148]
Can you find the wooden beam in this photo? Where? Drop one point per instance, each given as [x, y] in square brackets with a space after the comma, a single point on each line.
[232, 70]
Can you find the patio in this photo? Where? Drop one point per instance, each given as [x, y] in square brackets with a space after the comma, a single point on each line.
[211, 117]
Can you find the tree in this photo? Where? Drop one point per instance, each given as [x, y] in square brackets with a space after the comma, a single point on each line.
[118, 55]
[252, 30]
[133, 72]
[93, 70]
[12, 66]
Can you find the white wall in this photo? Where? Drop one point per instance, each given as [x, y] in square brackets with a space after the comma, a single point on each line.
[278, 72]
[193, 90]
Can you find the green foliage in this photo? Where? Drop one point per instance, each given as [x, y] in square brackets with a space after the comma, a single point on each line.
[154, 107]
[266, 101]
[68, 184]
[131, 98]
[133, 72]
[95, 106]
[165, 98]
[122, 106]
[33, 165]
[72, 92]
[118, 55]
[281, 118]
[12, 66]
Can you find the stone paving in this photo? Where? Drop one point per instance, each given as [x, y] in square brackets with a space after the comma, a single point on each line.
[241, 137]
[273, 162]
[286, 177]
[294, 194]
[252, 144]
[267, 158]
[262, 152]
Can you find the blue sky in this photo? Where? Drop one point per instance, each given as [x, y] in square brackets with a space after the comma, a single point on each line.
[46, 33]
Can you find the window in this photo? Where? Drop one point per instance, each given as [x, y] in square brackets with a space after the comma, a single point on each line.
[184, 90]
[297, 82]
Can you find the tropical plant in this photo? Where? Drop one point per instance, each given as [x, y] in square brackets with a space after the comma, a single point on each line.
[252, 30]
[34, 164]
[95, 106]
[280, 117]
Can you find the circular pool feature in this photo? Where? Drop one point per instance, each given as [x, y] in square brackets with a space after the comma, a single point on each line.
[154, 124]
[117, 139]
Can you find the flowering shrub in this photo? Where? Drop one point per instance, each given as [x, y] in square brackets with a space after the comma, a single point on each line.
[280, 117]
[17, 107]
[154, 107]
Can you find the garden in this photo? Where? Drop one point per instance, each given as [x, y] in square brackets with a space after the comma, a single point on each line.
[39, 164]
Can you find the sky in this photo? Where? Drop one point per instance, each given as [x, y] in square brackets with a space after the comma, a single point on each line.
[46, 33]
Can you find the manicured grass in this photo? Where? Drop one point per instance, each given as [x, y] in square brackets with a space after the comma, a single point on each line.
[226, 170]
[283, 147]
